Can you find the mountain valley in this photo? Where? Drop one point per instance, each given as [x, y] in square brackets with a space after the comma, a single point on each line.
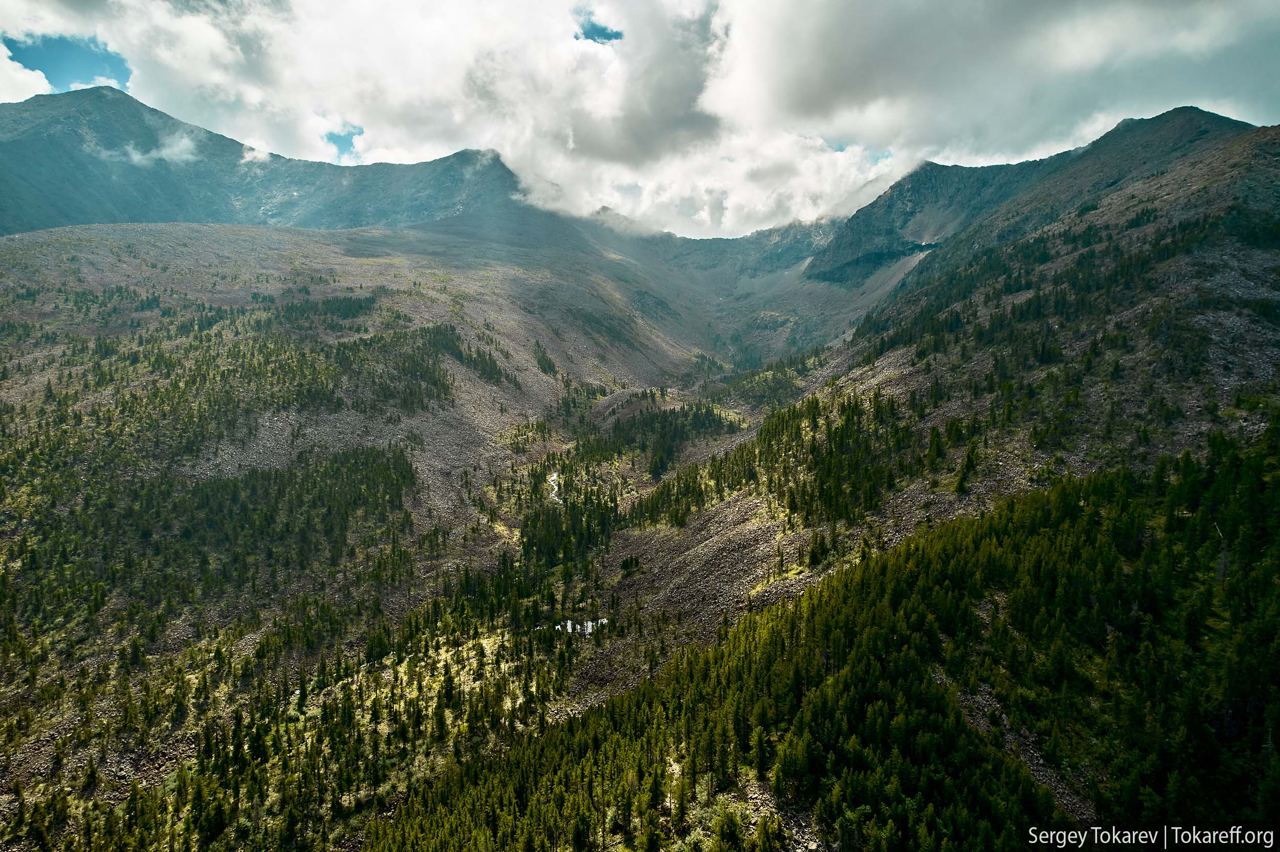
[375, 506]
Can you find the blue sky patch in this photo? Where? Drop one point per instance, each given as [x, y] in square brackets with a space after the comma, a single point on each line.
[66, 61]
[592, 30]
[839, 145]
[344, 141]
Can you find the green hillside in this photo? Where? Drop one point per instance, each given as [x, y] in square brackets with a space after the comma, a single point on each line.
[1126, 622]
[439, 520]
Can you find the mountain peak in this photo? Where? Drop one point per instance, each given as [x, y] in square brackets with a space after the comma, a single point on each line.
[96, 92]
[92, 97]
[478, 159]
[98, 155]
[1179, 125]
[1195, 112]
[87, 94]
[934, 202]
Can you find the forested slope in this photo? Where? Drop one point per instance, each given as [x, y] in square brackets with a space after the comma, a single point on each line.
[1127, 624]
[470, 535]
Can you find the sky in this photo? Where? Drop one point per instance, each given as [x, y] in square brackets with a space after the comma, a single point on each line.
[700, 117]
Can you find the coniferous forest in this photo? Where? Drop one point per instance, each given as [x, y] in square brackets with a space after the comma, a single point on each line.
[1128, 620]
[466, 524]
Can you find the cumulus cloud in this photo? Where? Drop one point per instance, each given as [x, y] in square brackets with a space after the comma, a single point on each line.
[98, 81]
[1004, 76]
[175, 148]
[18, 83]
[702, 116]
[254, 155]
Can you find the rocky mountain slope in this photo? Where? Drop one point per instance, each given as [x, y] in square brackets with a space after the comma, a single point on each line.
[982, 206]
[328, 537]
[99, 156]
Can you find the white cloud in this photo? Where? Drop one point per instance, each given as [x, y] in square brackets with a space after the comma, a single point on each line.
[254, 155]
[175, 148]
[98, 81]
[706, 117]
[18, 83]
[1003, 75]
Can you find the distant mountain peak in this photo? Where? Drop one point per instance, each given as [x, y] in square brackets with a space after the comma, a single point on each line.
[99, 155]
[934, 202]
[87, 94]
[476, 156]
[1178, 124]
[100, 91]
[1195, 112]
[623, 224]
[93, 97]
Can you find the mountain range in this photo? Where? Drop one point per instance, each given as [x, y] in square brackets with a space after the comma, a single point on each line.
[374, 505]
[98, 156]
